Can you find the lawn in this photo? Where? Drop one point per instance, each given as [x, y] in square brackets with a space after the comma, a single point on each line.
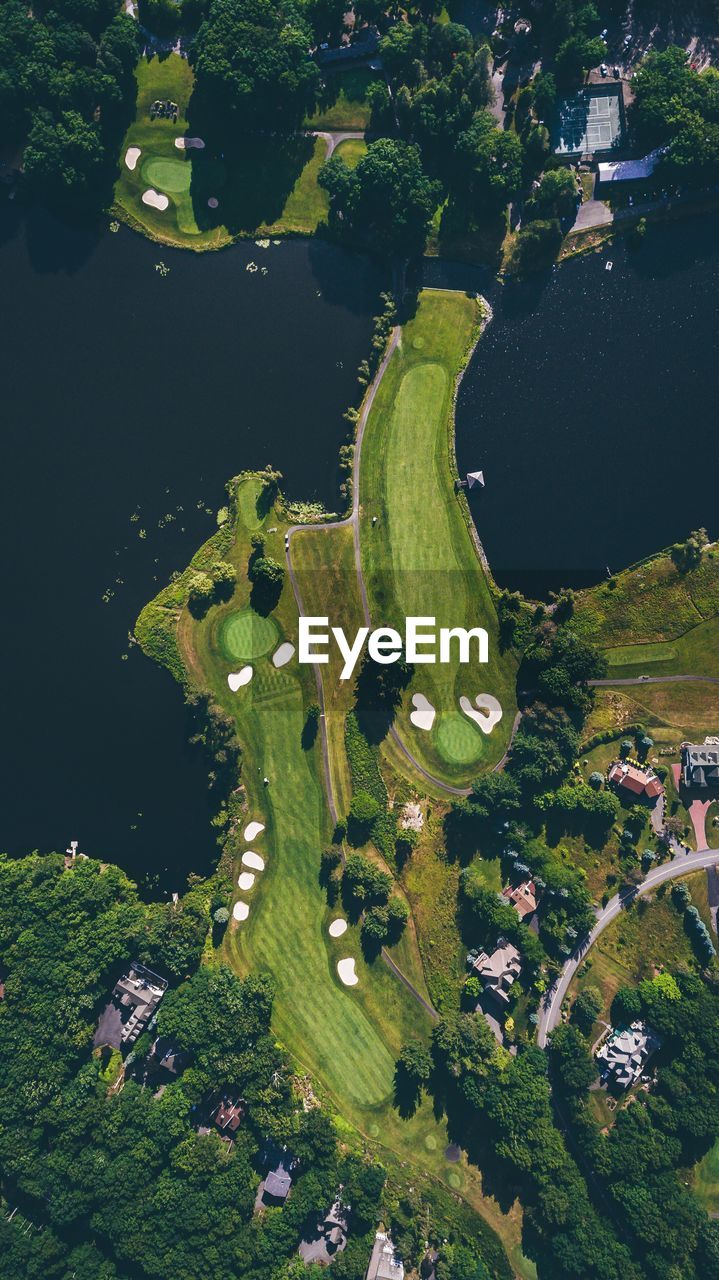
[343, 100]
[419, 558]
[264, 185]
[706, 1181]
[351, 151]
[652, 602]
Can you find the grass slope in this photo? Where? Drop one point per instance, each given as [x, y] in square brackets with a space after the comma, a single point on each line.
[651, 602]
[694, 653]
[265, 185]
[343, 100]
[419, 559]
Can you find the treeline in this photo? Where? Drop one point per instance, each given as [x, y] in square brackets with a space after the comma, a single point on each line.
[67, 91]
[500, 1107]
[640, 1163]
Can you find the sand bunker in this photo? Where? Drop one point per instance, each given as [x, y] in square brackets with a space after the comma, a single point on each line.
[155, 199]
[246, 881]
[346, 970]
[240, 911]
[253, 830]
[489, 714]
[236, 679]
[250, 859]
[423, 715]
[337, 928]
[182, 144]
[281, 656]
[132, 155]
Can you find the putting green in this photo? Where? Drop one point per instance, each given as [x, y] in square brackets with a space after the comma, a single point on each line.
[171, 176]
[457, 741]
[247, 634]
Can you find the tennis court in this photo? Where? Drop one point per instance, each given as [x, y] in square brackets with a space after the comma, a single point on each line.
[589, 122]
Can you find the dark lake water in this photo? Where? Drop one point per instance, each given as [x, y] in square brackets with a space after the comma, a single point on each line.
[125, 392]
[591, 406]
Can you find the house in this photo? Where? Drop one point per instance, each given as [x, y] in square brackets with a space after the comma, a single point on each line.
[523, 897]
[131, 1008]
[227, 1116]
[384, 1263]
[364, 45]
[625, 1053]
[328, 1239]
[168, 1056]
[499, 971]
[635, 779]
[700, 765]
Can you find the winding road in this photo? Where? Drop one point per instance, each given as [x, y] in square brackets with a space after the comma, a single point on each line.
[680, 865]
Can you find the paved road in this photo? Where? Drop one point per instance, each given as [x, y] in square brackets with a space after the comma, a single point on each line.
[680, 865]
[334, 137]
[657, 680]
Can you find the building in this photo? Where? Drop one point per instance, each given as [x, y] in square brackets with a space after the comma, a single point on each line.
[523, 897]
[364, 45]
[328, 1239]
[168, 1057]
[499, 971]
[700, 765]
[641, 170]
[227, 1116]
[384, 1263]
[636, 779]
[132, 1007]
[625, 1053]
[589, 123]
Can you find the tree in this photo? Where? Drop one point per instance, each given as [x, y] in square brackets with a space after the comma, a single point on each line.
[544, 90]
[536, 246]
[365, 883]
[221, 916]
[576, 56]
[386, 202]
[250, 60]
[64, 158]
[415, 1061]
[311, 726]
[267, 578]
[556, 197]
[587, 1008]
[488, 165]
[364, 809]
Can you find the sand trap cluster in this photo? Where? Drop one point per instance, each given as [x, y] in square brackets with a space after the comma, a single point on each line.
[253, 830]
[236, 679]
[182, 144]
[253, 860]
[281, 656]
[489, 713]
[346, 970]
[423, 715]
[155, 199]
[240, 911]
[132, 155]
[337, 928]
[246, 880]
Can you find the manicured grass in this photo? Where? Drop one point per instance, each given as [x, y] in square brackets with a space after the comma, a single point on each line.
[343, 100]
[419, 559]
[706, 1181]
[651, 602]
[351, 151]
[265, 185]
[246, 634]
[694, 653]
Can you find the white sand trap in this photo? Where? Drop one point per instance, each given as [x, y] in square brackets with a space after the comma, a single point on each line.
[213, 202]
[489, 714]
[236, 679]
[337, 928]
[132, 155]
[155, 199]
[423, 715]
[182, 144]
[346, 970]
[250, 859]
[240, 911]
[281, 656]
[246, 881]
[253, 830]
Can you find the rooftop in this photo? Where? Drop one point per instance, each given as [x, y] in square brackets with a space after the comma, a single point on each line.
[625, 1053]
[700, 764]
[634, 778]
[499, 970]
[523, 897]
[384, 1263]
[131, 1008]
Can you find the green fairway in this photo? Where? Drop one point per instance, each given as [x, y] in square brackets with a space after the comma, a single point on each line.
[172, 176]
[418, 558]
[264, 184]
[694, 653]
[247, 634]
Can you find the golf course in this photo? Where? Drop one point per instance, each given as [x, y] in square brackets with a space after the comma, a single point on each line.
[418, 557]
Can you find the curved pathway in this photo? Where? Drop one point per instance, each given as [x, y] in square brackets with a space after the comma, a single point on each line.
[681, 865]
[599, 684]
